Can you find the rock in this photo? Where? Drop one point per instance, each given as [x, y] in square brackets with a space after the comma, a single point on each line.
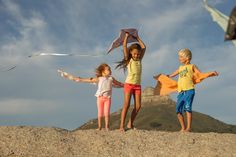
[149, 96]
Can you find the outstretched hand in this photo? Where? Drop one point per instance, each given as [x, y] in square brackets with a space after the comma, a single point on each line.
[215, 73]
[65, 74]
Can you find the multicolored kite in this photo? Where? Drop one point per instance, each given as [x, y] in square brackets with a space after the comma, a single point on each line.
[221, 19]
[231, 29]
[119, 41]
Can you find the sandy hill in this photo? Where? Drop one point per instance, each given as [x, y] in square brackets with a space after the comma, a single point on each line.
[158, 113]
[157, 135]
[54, 142]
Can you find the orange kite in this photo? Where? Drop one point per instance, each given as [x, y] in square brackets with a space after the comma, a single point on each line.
[166, 85]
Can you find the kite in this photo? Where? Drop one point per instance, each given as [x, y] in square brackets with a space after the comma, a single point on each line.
[5, 69]
[218, 17]
[166, 85]
[119, 40]
[231, 29]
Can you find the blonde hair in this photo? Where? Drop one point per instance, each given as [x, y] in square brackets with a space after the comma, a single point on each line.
[100, 69]
[186, 53]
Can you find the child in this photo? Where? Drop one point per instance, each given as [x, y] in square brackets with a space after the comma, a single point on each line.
[104, 92]
[132, 61]
[186, 87]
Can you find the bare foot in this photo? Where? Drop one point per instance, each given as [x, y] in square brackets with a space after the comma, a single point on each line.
[182, 130]
[129, 125]
[107, 129]
[122, 129]
[132, 128]
[99, 129]
[187, 130]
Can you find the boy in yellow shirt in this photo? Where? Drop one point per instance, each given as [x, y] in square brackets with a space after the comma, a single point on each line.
[186, 87]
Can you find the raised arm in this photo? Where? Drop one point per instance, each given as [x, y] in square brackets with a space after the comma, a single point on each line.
[212, 73]
[195, 69]
[125, 49]
[143, 46]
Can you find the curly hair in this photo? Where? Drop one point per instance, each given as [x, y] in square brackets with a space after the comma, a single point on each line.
[100, 69]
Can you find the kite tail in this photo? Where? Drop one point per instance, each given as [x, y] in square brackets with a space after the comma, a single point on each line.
[48, 54]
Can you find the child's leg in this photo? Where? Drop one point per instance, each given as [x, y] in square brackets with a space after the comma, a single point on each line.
[188, 108]
[137, 107]
[100, 106]
[189, 121]
[181, 121]
[179, 109]
[127, 97]
[107, 106]
[99, 123]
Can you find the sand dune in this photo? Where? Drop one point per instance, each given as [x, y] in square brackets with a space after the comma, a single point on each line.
[42, 141]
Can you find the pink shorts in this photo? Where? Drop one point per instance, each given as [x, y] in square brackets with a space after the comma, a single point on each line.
[132, 88]
[103, 105]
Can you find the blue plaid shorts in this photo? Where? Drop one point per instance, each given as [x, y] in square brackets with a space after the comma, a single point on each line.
[184, 101]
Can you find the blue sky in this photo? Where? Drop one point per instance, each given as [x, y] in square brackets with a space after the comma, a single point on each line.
[33, 93]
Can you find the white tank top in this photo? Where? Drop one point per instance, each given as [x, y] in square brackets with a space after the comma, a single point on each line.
[104, 87]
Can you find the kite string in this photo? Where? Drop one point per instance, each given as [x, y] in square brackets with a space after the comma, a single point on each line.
[65, 54]
[5, 68]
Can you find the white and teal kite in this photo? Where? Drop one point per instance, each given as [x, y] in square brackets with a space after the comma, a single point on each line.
[218, 17]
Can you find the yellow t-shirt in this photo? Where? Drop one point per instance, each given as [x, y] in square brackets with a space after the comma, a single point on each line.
[185, 81]
[134, 72]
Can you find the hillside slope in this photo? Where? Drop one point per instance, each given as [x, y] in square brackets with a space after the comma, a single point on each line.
[54, 142]
[158, 113]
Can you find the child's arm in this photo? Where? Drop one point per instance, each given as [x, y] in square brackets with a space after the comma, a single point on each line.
[195, 69]
[125, 50]
[117, 83]
[77, 79]
[212, 73]
[143, 46]
[86, 80]
[174, 73]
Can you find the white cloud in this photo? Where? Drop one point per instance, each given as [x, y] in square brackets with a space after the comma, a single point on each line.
[12, 8]
[159, 25]
[27, 106]
[33, 36]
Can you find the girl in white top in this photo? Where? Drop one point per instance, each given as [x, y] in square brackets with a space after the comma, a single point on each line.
[105, 82]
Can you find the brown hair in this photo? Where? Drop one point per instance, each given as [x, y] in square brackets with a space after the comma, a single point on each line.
[124, 62]
[100, 69]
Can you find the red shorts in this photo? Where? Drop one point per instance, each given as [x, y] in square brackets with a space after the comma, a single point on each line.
[132, 88]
